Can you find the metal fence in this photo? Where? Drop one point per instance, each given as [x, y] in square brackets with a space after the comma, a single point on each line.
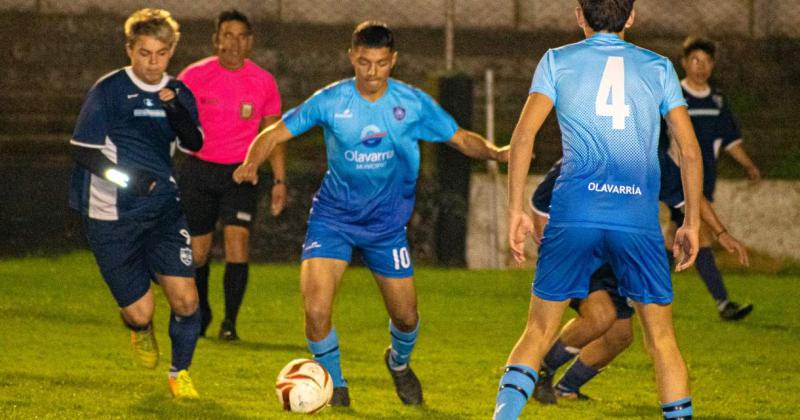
[752, 18]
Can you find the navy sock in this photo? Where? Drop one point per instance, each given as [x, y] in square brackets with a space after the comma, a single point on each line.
[516, 386]
[678, 410]
[235, 283]
[402, 345]
[326, 352]
[557, 356]
[707, 267]
[183, 330]
[201, 280]
[577, 375]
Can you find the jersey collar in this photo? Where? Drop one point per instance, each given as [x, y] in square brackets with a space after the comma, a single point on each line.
[699, 94]
[605, 38]
[145, 86]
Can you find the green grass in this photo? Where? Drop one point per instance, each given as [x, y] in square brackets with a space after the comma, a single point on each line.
[64, 354]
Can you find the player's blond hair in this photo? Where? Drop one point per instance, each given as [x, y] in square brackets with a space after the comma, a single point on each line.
[157, 23]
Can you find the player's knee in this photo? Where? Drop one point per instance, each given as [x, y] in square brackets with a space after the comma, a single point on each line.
[621, 341]
[406, 321]
[318, 317]
[185, 305]
[600, 318]
[137, 318]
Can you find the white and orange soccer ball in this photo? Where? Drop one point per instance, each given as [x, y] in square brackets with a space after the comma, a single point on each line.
[304, 386]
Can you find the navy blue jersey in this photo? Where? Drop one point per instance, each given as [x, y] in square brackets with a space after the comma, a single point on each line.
[123, 117]
[540, 200]
[609, 96]
[715, 128]
[373, 151]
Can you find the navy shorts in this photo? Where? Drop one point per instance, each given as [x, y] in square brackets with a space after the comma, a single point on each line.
[386, 254]
[131, 252]
[604, 279]
[208, 193]
[570, 255]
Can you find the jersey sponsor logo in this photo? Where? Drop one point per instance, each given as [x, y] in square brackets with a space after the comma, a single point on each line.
[371, 136]
[186, 256]
[399, 113]
[615, 189]
[151, 113]
[246, 110]
[372, 160]
[344, 114]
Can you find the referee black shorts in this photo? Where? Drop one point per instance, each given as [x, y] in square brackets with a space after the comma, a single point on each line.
[208, 193]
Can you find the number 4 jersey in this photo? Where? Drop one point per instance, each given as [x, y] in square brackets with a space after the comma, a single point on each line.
[609, 97]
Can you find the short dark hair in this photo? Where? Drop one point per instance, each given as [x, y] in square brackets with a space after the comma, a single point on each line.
[372, 34]
[232, 14]
[607, 15]
[706, 45]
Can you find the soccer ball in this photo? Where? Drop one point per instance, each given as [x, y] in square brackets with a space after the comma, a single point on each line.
[304, 386]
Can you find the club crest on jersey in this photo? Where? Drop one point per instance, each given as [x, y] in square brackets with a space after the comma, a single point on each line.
[246, 110]
[399, 113]
[371, 136]
[148, 102]
[186, 256]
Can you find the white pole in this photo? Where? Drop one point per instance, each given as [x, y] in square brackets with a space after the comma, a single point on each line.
[449, 36]
[489, 78]
[494, 230]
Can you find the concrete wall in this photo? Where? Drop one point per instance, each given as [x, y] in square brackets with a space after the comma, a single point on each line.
[763, 216]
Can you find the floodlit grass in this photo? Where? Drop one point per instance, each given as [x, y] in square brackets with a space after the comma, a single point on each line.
[64, 353]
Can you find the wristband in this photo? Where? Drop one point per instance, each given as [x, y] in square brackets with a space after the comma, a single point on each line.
[718, 234]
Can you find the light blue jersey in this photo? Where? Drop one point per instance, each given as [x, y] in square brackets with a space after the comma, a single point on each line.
[373, 151]
[609, 96]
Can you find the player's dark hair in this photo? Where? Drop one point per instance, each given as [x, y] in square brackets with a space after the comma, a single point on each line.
[699, 43]
[372, 34]
[607, 15]
[232, 14]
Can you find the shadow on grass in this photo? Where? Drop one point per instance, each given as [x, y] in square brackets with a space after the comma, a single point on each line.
[422, 411]
[52, 317]
[163, 406]
[257, 345]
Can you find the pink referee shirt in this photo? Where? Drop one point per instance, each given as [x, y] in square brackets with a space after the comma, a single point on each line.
[231, 105]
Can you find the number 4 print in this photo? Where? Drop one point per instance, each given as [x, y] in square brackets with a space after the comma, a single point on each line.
[613, 84]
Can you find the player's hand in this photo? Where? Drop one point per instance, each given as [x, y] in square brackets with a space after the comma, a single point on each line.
[753, 174]
[246, 172]
[732, 245]
[278, 199]
[166, 95]
[502, 154]
[520, 226]
[685, 247]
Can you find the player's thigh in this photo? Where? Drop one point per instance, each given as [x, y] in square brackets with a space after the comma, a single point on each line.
[598, 310]
[237, 243]
[200, 196]
[387, 255]
[181, 293]
[319, 279]
[656, 321]
[119, 248]
[201, 248]
[640, 265]
[238, 202]
[567, 258]
[400, 298]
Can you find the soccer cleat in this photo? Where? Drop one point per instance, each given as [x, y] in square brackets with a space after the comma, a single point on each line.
[543, 392]
[564, 394]
[181, 386]
[145, 348]
[733, 312]
[340, 398]
[405, 382]
[227, 331]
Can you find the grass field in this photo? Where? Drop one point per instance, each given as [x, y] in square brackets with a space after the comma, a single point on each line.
[64, 354]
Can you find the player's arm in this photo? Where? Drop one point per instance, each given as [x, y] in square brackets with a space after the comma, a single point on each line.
[738, 153]
[277, 161]
[260, 149]
[731, 244]
[94, 161]
[686, 243]
[180, 119]
[535, 111]
[476, 146]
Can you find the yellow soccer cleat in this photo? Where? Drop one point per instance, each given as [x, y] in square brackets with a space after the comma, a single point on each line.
[145, 348]
[181, 386]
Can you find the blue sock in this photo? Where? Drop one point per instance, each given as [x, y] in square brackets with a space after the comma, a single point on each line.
[707, 267]
[326, 352]
[577, 375]
[516, 386]
[402, 345]
[183, 330]
[557, 356]
[678, 410]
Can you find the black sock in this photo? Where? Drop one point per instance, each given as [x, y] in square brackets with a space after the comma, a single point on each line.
[183, 330]
[201, 280]
[707, 267]
[235, 284]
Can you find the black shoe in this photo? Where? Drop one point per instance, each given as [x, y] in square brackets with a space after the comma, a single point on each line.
[205, 321]
[543, 392]
[568, 395]
[227, 331]
[340, 398]
[733, 312]
[405, 382]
